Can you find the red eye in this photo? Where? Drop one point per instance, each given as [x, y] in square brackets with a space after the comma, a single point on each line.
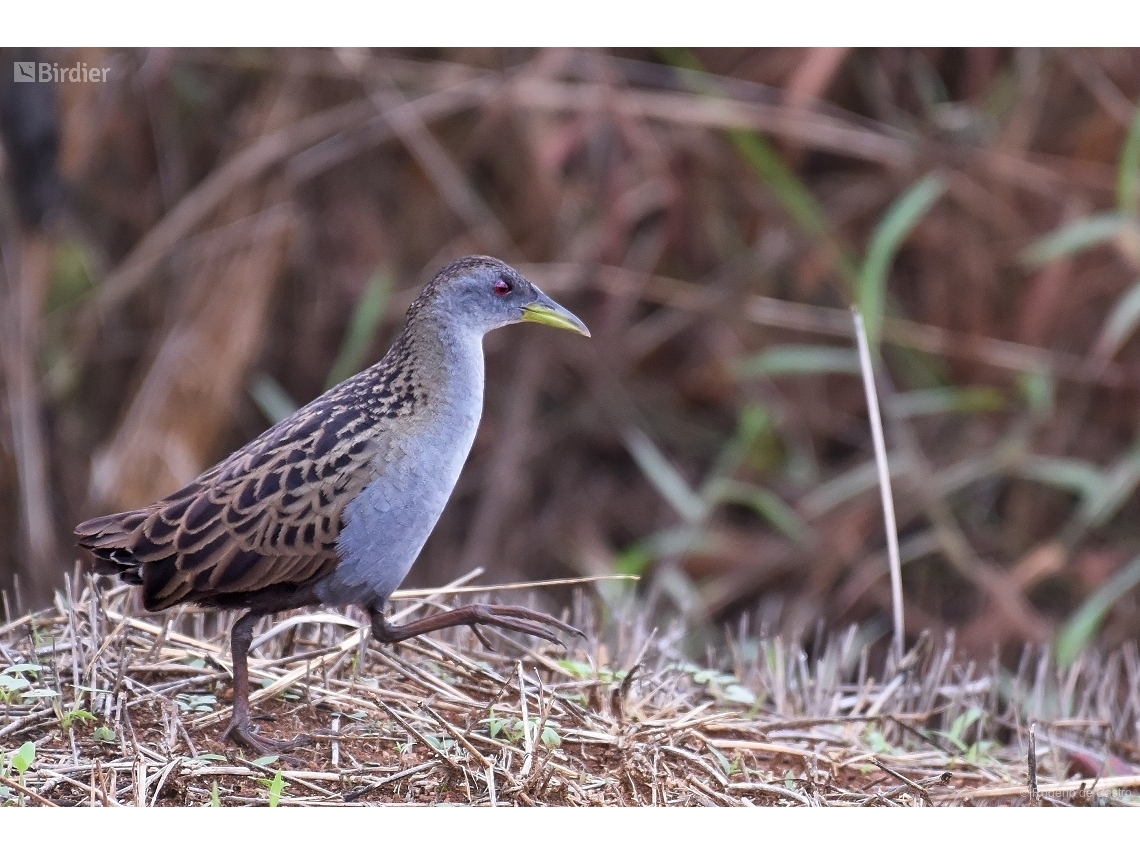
[502, 287]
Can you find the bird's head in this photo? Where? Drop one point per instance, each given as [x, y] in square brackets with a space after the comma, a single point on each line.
[485, 293]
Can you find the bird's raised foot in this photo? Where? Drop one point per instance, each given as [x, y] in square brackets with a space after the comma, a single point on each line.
[516, 618]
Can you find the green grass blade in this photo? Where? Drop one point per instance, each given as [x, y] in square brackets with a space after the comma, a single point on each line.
[930, 402]
[765, 503]
[271, 398]
[795, 198]
[1075, 476]
[753, 425]
[898, 222]
[1080, 629]
[1073, 237]
[1128, 179]
[788, 359]
[1039, 391]
[854, 482]
[670, 483]
[1120, 483]
[1120, 325]
[362, 327]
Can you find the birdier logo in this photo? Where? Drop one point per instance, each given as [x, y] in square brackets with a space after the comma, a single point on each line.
[50, 72]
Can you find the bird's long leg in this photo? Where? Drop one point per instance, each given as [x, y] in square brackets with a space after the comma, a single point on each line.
[240, 729]
[514, 618]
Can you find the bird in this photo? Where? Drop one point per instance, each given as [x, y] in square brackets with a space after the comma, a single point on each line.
[332, 505]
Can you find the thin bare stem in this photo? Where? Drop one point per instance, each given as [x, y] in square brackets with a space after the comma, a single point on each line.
[876, 419]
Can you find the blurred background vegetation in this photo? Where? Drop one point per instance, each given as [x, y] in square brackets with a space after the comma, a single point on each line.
[212, 237]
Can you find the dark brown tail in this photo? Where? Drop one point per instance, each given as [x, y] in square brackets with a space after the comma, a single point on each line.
[109, 540]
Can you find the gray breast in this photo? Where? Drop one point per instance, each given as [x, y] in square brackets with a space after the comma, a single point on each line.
[387, 525]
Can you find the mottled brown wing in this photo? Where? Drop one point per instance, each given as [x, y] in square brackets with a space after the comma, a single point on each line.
[269, 515]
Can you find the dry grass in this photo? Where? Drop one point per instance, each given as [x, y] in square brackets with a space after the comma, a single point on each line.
[622, 719]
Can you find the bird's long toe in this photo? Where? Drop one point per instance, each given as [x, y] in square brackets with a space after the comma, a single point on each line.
[534, 617]
[524, 620]
[526, 627]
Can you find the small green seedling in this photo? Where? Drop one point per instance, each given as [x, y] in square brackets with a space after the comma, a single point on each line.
[877, 742]
[720, 685]
[24, 757]
[550, 737]
[287, 695]
[105, 734]
[515, 732]
[188, 703]
[21, 760]
[586, 671]
[275, 787]
[441, 744]
[494, 724]
[973, 752]
[730, 767]
[12, 688]
[68, 718]
[36, 694]
[15, 687]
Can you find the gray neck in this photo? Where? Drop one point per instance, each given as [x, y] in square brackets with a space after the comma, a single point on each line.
[450, 357]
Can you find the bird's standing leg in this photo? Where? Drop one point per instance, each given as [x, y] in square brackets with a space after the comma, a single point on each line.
[240, 729]
[515, 618]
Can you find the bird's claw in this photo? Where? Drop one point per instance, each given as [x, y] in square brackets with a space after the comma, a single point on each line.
[245, 735]
[524, 620]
